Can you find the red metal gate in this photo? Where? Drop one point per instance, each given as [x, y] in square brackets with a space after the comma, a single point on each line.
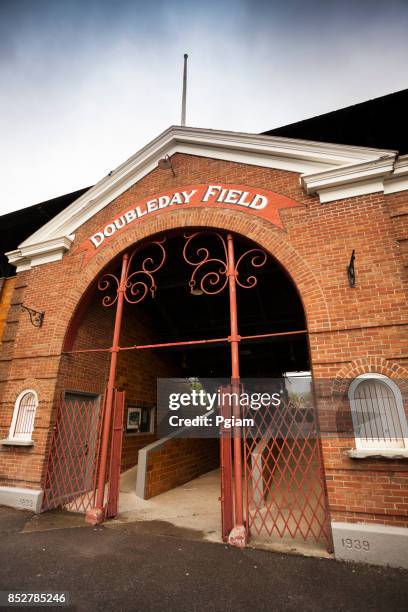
[72, 464]
[285, 488]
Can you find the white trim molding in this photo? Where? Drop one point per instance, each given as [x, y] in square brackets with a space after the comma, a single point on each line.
[38, 253]
[349, 181]
[14, 442]
[398, 181]
[381, 453]
[332, 171]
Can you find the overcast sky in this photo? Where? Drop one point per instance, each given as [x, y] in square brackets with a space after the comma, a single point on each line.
[86, 83]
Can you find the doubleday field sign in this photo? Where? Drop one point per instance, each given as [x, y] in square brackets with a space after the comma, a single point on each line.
[260, 202]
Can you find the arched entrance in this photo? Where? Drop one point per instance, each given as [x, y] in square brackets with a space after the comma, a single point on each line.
[195, 305]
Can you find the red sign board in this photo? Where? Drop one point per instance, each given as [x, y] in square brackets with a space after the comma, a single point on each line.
[254, 201]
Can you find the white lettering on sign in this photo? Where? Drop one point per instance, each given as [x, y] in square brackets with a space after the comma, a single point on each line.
[257, 201]
[213, 193]
[234, 196]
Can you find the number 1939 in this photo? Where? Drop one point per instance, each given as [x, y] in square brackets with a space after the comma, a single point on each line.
[355, 544]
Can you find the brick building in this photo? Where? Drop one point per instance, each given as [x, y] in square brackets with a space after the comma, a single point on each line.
[329, 217]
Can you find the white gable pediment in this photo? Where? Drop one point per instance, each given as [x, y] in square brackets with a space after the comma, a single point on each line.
[324, 168]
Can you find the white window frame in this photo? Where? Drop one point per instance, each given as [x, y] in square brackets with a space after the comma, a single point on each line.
[26, 437]
[363, 443]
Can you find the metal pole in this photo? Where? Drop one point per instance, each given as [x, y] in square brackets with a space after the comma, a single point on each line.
[184, 98]
[237, 536]
[96, 515]
[188, 342]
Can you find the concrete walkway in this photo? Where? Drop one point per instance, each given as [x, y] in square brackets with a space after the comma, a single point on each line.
[195, 506]
[123, 567]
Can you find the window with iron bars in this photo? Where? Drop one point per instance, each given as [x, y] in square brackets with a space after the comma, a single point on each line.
[22, 424]
[378, 414]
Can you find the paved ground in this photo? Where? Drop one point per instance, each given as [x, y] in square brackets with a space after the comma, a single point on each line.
[132, 566]
[195, 505]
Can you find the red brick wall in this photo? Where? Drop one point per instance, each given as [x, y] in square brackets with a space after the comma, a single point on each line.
[357, 489]
[179, 461]
[352, 331]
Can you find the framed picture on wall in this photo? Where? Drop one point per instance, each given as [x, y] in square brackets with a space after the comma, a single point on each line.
[139, 419]
[134, 419]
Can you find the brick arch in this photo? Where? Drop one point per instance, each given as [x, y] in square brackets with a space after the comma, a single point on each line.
[39, 386]
[366, 365]
[261, 232]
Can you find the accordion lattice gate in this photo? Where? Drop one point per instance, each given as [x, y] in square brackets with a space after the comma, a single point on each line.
[73, 459]
[285, 491]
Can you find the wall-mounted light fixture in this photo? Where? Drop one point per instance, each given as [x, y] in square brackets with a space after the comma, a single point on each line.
[36, 317]
[165, 164]
[351, 272]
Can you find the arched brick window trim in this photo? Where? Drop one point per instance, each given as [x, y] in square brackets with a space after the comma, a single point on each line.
[366, 365]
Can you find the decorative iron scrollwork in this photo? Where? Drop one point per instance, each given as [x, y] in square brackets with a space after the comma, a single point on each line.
[210, 274]
[139, 282]
[257, 258]
[105, 284]
[204, 279]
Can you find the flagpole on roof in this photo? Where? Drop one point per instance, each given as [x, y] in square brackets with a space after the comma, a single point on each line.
[184, 98]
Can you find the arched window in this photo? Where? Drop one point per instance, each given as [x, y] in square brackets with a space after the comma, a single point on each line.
[378, 413]
[22, 424]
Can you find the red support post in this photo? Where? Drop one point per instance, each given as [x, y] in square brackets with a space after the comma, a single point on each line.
[237, 536]
[115, 454]
[227, 499]
[96, 515]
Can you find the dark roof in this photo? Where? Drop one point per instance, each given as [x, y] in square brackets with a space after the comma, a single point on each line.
[18, 225]
[380, 123]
